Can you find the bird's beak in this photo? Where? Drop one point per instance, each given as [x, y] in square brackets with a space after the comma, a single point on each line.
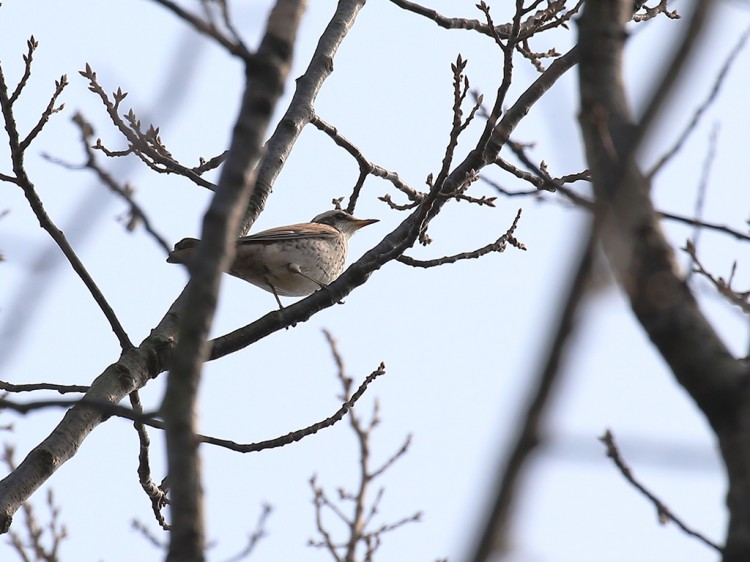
[360, 223]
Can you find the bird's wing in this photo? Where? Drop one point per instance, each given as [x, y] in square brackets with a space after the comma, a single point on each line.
[291, 232]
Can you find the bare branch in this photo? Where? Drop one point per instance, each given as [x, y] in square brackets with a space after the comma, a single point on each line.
[365, 165]
[650, 13]
[28, 58]
[156, 494]
[543, 182]
[393, 459]
[32, 546]
[361, 517]
[642, 258]
[397, 207]
[235, 46]
[266, 75]
[589, 205]
[554, 15]
[295, 436]
[255, 536]
[441, 20]
[498, 245]
[148, 419]
[701, 110]
[707, 225]
[22, 180]
[61, 388]
[319, 501]
[47, 113]
[137, 214]
[146, 145]
[211, 163]
[724, 286]
[493, 538]
[664, 514]
[300, 109]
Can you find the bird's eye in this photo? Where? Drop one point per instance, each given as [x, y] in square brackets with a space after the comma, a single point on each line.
[340, 215]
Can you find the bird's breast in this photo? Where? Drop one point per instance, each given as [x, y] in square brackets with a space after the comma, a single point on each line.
[294, 267]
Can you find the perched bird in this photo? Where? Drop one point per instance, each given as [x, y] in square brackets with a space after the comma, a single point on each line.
[290, 261]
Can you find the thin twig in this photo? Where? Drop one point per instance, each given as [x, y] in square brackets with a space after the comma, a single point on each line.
[664, 514]
[540, 21]
[23, 181]
[47, 113]
[700, 198]
[61, 388]
[137, 213]
[255, 536]
[703, 224]
[156, 494]
[295, 436]
[145, 145]
[650, 13]
[358, 522]
[235, 47]
[498, 245]
[365, 165]
[589, 205]
[28, 58]
[724, 286]
[546, 183]
[701, 110]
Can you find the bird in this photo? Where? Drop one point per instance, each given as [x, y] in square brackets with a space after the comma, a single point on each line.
[289, 261]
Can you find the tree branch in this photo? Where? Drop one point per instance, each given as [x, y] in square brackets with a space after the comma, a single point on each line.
[644, 262]
[207, 28]
[664, 514]
[266, 73]
[17, 149]
[300, 109]
[492, 541]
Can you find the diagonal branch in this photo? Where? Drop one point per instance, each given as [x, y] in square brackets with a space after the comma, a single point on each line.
[492, 541]
[146, 146]
[17, 149]
[150, 419]
[156, 494]
[28, 59]
[405, 235]
[300, 110]
[498, 245]
[206, 28]
[266, 74]
[136, 367]
[137, 213]
[643, 260]
[701, 110]
[663, 512]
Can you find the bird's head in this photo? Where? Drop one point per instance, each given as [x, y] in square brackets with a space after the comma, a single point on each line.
[342, 221]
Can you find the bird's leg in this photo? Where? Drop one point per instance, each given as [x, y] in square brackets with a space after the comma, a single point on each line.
[275, 294]
[278, 300]
[294, 268]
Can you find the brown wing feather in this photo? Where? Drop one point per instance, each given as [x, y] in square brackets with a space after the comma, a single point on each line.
[291, 232]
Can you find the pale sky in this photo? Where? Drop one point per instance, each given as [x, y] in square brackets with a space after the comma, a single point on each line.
[460, 343]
